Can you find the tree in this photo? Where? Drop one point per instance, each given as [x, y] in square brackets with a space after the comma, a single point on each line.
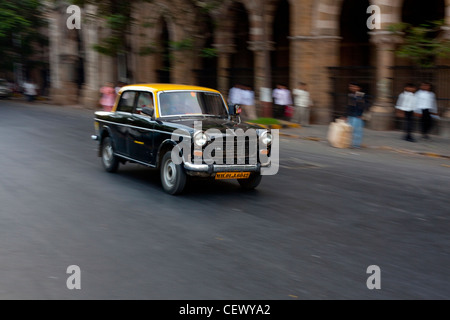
[118, 15]
[20, 37]
[422, 44]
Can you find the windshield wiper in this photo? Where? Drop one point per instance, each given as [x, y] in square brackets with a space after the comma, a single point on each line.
[216, 116]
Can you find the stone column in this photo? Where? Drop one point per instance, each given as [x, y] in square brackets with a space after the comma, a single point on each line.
[382, 112]
[263, 74]
[63, 57]
[90, 92]
[223, 65]
[444, 122]
[54, 54]
[311, 57]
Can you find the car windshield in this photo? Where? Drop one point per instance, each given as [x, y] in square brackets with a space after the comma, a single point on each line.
[181, 103]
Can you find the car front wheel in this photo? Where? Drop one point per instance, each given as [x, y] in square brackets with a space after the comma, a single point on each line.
[109, 160]
[252, 182]
[173, 177]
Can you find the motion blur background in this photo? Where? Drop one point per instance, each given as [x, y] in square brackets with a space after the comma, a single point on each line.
[259, 43]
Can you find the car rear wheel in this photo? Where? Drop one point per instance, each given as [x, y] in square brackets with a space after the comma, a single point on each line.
[252, 182]
[109, 160]
[173, 177]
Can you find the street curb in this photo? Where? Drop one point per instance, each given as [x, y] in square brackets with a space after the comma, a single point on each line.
[275, 126]
[308, 138]
[407, 151]
[287, 135]
[398, 150]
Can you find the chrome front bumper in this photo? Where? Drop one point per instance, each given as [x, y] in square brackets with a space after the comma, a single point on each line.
[214, 168]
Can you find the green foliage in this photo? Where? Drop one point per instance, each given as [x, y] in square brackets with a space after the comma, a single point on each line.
[182, 45]
[265, 121]
[148, 49]
[118, 17]
[422, 43]
[20, 23]
[206, 6]
[209, 53]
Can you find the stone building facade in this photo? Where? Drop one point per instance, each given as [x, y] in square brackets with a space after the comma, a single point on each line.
[260, 43]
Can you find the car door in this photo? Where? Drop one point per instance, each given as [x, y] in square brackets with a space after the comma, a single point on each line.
[120, 130]
[141, 139]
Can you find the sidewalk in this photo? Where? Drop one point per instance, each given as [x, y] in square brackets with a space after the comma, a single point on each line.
[437, 147]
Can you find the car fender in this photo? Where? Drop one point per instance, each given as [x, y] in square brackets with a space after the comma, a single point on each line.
[105, 131]
[165, 145]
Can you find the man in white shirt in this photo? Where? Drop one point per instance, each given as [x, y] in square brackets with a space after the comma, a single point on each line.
[406, 105]
[302, 101]
[30, 90]
[248, 103]
[235, 95]
[281, 98]
[426, 105]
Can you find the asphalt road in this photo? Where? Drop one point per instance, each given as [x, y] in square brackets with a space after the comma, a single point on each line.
[309, 232]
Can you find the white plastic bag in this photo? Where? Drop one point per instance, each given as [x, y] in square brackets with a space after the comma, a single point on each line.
[340, 134]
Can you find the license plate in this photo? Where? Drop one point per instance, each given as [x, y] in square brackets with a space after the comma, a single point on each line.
[232, 175]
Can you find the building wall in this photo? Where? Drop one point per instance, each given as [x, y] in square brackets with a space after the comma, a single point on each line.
[314, 45]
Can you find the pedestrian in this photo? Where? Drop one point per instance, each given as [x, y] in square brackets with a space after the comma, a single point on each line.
[108, 97]
[302, 102]
[282, 100]
[30, 90]
[426, 106]
[235, 95]
[357, 104]
[248, 103]
[406, 105]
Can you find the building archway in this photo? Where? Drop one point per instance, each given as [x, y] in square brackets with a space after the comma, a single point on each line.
[355, 48]
[206, 73]
[242, 59]
[416, 12]
[356, 55]
[163, 57]
[280, 35]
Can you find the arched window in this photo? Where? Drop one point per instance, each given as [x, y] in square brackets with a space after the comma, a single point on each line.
[242, 61]
[281, 55]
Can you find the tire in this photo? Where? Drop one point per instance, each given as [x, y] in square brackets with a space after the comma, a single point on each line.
[252, 182]
[109, 160]
[173, 177]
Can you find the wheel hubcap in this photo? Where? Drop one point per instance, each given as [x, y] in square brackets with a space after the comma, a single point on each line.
[170, 173]
[107, 154]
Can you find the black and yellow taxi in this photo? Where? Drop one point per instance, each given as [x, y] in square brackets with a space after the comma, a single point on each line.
[182, 131]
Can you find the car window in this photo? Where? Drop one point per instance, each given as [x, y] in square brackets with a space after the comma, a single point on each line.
[126, 102]
[145, 100]
[191, 103]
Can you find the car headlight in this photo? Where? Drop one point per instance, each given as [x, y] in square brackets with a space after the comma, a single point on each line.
[266, 138]
[200, 139]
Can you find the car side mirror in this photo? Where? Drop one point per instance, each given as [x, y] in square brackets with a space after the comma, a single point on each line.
[148, 111]
[235, 110]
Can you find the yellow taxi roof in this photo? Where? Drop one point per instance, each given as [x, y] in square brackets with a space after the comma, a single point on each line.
[156, 87]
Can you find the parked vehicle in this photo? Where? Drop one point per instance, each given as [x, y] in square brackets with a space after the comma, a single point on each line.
[5, 89]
